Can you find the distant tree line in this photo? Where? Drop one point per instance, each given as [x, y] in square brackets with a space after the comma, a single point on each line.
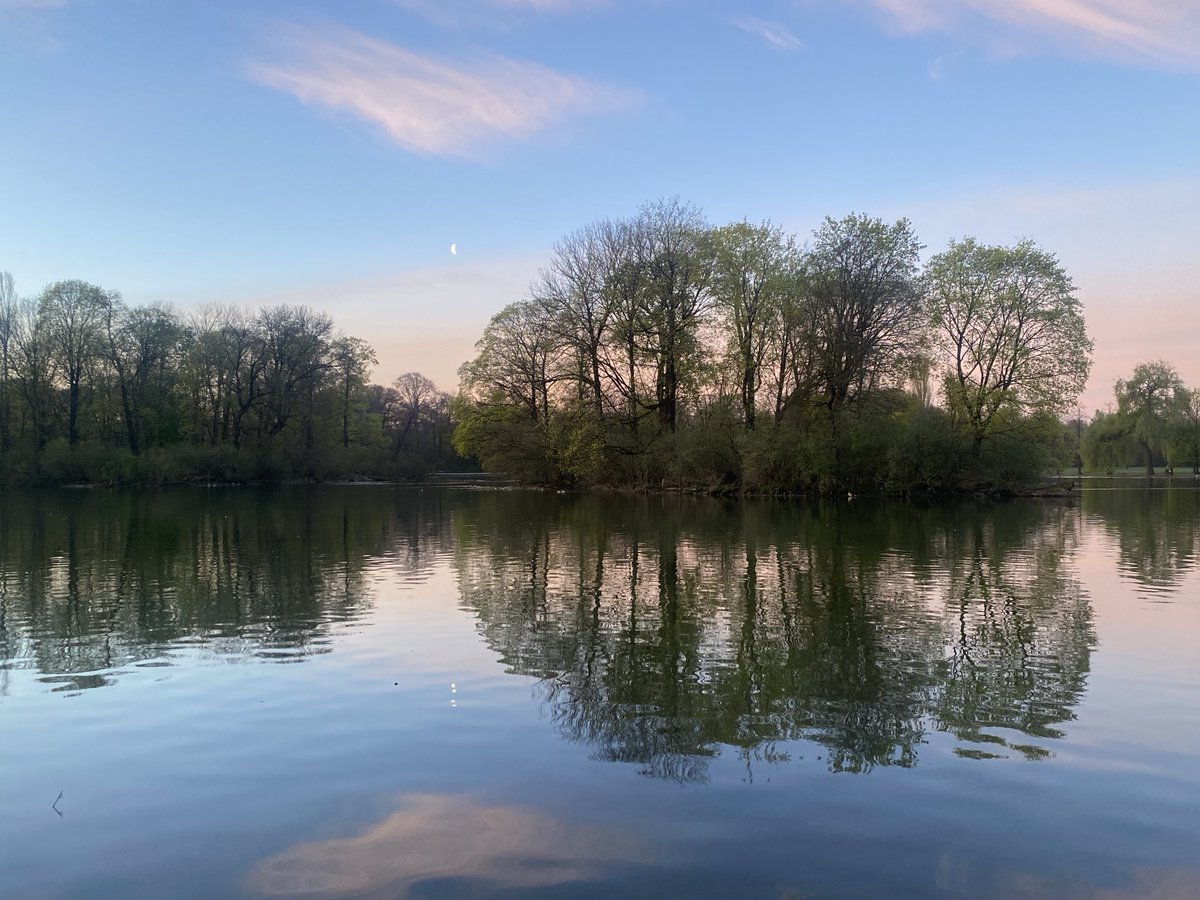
[660, 350]
[1156, 422]
[92, 389]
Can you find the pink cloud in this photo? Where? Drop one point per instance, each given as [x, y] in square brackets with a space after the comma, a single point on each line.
[1159, 31]
[429, 105]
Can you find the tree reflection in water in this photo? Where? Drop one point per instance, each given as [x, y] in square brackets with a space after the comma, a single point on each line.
[1157, 531]
[93, 580]
[666, 631]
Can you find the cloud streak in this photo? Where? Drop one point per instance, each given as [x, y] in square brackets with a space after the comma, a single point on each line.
[775, 35]
[428, 105]
[1159, 31]
[488, 13]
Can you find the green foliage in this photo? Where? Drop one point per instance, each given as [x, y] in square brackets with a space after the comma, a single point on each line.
[1149, 405]
[504, 438]
[1185, 432]
[928, 455]
[662, 352]
[94, 391]
[1106, 445]
[577, 444]
[1012, 333]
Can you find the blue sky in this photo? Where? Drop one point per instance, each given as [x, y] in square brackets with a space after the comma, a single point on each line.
[329, 153]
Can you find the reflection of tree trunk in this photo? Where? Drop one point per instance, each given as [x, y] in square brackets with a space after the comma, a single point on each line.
[595, 625]
[748, 650]
[668, 602]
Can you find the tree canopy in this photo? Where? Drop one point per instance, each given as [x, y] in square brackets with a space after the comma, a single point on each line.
[93, 389]
[661, 350]
[1010, 332]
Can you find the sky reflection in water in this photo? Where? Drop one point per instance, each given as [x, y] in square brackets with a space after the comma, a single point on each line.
[650, 695]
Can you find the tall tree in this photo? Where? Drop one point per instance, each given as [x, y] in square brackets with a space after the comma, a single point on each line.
[754, 273]
[34, 366]
[1011, 332]
[515, 360]
[580, 306]
[8, 322]
[1147, 403]
[295, 344]
[865, 312]
[350, 359]
[413, 399]
[143, 346]
[671, 240]
[72, 313]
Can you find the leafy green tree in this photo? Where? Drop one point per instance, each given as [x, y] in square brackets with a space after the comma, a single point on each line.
[1105, 443]
[1011, 332]
[1185, 437]
[754, 274]
[515, 360]
[1148, 403]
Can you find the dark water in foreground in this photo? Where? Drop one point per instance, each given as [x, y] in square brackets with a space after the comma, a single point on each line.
[396, 692]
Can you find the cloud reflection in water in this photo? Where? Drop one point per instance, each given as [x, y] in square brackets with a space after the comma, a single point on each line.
[444, 836]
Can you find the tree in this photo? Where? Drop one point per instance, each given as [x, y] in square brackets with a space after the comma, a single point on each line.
[514, 360]
[34, 366]
[1103, 444]
[754, 273]
[8, 322]
[1185, 440]
[350, 359]
[71, 313]
[295, 344]
[1012, 332]
[580, 305]
[242, 355]
[413, 400]
[670, 240]
[865, 314]
[1147, 404]
[143, 346]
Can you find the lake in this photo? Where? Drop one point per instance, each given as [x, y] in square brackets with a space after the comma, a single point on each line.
[464, 691]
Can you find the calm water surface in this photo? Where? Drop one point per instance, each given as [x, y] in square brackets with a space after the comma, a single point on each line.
[451, 692]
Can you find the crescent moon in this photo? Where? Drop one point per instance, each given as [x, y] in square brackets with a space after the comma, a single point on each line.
[454, 249]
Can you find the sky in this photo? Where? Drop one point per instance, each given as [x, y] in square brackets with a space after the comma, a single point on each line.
[330, 153]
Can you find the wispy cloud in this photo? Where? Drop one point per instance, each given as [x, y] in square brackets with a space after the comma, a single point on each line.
[492, 13]
[430, 105]
[774, 34]
[1160, 31]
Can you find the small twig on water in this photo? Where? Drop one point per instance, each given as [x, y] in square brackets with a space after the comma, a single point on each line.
[54, 805]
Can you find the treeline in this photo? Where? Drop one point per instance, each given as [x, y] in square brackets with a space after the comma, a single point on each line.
[94, 390]
[663, 351]
[1156, 422]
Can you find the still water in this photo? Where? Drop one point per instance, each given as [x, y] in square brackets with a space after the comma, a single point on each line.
[370, 691]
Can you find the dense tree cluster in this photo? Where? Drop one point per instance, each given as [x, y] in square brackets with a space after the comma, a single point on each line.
[661, 350]
[1156, 422]
[92, 389]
